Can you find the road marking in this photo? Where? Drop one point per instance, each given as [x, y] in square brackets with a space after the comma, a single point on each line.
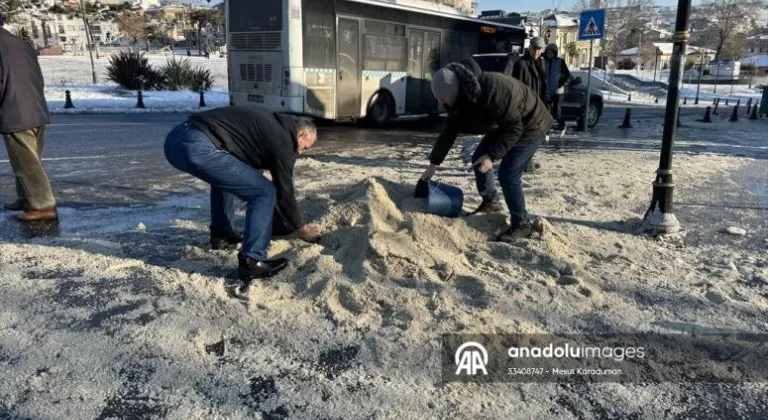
[82, 158]
[114, 123]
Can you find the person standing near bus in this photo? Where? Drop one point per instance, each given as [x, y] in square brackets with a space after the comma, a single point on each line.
[557, 76]
[23, 117]
[515, 121]
[247, 152]
[530, 69]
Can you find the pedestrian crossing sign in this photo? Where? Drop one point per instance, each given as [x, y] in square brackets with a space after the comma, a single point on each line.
[592, 24]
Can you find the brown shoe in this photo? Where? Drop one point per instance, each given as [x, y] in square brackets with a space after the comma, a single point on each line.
[38, 215]
[18, 205]
[488, 207]
[525, 231]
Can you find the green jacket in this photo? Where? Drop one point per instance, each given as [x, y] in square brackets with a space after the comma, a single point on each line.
[491, 103]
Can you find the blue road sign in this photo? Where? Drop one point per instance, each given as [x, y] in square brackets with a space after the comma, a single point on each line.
[592, 24]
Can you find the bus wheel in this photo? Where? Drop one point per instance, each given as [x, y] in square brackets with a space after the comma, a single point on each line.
[381, 110]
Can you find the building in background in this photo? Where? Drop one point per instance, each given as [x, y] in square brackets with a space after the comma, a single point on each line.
[563, 30]
[757, 45]
[658, 55]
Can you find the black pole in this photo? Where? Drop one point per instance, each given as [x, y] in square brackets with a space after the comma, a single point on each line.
[701, 73]
[660, 217]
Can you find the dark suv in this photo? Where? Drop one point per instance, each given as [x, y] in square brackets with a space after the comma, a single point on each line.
[574, 99]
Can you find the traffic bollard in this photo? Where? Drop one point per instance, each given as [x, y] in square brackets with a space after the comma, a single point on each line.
[685, 101]
[678, 117]
[735, 115]
[707, 115]
[754, 115]
[657, 99]
[726, 101]
[717, 104]
[202, 99]
[140, 101]
[629, 98]
[68, 100]
[627, 119]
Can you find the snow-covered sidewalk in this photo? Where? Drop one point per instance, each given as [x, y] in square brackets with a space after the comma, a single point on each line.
[88, 98]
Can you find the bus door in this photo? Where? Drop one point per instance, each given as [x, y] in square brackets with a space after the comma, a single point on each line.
[432, 52]
[348, 73]
[423, 62]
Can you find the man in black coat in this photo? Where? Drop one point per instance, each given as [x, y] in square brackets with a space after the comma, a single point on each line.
[247, 152]
[23, 117]
[515, 121]
[530, 69]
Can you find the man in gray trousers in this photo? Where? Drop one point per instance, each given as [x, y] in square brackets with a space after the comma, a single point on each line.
[23, 116]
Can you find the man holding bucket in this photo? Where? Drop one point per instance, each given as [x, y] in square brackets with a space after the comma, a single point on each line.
[515, 121]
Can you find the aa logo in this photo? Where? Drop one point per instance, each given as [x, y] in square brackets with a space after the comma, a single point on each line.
[471, 358]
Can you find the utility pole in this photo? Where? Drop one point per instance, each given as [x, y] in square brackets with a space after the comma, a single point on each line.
[88, 41]
[701, 72]
[660, 217]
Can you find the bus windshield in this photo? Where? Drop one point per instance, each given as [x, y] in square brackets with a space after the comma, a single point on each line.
[255, 16]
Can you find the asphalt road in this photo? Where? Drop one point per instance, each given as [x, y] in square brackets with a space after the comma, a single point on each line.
[114, 158]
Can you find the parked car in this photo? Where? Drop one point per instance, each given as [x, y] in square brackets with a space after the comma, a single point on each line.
[574, 99]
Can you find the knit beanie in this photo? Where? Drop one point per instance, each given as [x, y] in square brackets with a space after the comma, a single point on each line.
[445, 83]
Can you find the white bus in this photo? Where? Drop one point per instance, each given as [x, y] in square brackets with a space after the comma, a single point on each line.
[349, 59]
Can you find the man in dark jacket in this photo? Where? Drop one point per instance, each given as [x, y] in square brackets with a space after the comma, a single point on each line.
[557, 76]
[530, 70]
[247, 152]
[23, 116]
[515, 121]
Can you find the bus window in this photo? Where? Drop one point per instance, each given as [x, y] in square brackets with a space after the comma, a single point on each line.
[255, 16]
[319, 27]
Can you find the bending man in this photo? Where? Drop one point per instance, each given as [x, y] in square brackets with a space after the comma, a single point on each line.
[247, 152]
[515, 120]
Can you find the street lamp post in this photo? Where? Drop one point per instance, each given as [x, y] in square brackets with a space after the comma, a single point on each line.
[656, 65]
[88, 41]
[701, 72]
[752, 73]
[660, 217]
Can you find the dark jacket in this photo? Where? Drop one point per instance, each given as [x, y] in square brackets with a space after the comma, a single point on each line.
[22, 101]
[491, 102]
[557, 72]
[531, 73]
[262, 139]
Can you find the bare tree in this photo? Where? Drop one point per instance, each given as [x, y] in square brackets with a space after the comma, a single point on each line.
[625, 21]
[722, 20]
[132, 25]
[11, 9]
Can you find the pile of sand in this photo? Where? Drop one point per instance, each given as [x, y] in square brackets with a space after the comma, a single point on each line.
[384, 263]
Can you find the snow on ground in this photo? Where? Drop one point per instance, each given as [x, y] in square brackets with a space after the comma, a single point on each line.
[64, 70]
[110, 98]
[707, 93]
[71, 73]
[110, 321]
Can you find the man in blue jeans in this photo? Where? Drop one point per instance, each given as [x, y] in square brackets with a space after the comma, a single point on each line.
[515, 121]
[247, 152]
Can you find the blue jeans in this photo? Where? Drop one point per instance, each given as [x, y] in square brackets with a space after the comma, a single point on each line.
[191, 151]
[511, 170]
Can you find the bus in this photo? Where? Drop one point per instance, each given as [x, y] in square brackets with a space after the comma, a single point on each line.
[350, 59]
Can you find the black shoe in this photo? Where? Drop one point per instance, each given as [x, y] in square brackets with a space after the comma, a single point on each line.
[18, 205]
[532, 167]
[490, 206]
[250, 269]
[225, 239]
